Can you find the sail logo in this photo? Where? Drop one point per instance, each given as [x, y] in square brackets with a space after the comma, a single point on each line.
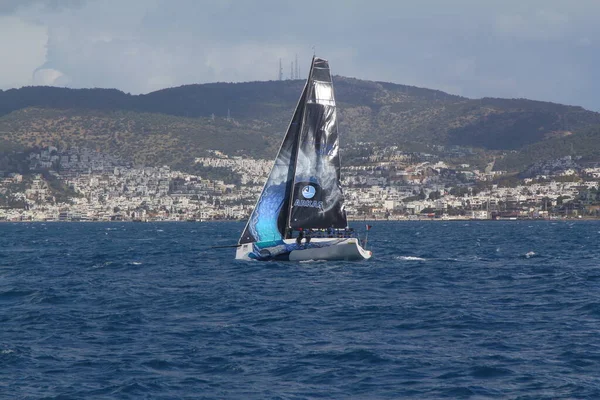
[308, 191]
[327, 151]
[308, 203]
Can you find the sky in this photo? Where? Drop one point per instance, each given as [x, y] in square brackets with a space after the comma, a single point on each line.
[538, 49]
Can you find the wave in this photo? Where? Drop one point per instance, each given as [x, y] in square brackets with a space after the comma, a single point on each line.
[410, 258]
[188, 321]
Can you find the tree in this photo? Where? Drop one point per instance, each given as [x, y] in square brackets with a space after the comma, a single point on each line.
[435, 195]
[546, 203]
[560, 200]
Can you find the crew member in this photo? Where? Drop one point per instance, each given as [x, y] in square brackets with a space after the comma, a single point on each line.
[300, 237]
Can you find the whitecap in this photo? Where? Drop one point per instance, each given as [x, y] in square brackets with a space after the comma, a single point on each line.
[529, 254]
[410, 258]
[96, 266]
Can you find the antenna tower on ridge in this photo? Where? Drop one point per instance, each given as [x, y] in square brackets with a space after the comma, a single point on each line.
[280, 71]
[297, 70]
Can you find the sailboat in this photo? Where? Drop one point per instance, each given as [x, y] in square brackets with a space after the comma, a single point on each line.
[300, 213]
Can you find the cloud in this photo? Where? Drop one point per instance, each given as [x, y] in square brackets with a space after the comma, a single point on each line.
[11, 6]
[22, 49]
[539, 25]
[49, 77]
[542, 49]
[584, 41]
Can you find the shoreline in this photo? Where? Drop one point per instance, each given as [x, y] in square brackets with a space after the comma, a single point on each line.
[349, 220]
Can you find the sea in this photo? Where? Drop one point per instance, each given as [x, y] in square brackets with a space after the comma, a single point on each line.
[444, 309]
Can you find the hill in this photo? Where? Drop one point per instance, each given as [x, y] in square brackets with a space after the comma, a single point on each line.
[175, 125]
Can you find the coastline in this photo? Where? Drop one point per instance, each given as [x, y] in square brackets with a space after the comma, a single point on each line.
[582, 218]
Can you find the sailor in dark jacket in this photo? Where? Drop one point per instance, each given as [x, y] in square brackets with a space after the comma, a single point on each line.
[299, 238]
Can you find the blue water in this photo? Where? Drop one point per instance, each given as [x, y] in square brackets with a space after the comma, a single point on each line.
[443, 310]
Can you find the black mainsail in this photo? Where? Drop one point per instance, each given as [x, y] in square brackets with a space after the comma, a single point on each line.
[317, 197]
[303, 189]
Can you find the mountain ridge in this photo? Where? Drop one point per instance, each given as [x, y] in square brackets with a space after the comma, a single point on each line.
[174, 125]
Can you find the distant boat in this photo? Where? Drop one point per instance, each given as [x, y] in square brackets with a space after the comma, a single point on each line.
[300, 213]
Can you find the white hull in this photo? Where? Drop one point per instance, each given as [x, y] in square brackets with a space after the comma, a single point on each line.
[331, 249]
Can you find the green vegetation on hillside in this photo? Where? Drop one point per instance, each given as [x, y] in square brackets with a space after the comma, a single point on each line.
[145, 139]
[174, 126]
[585, 144]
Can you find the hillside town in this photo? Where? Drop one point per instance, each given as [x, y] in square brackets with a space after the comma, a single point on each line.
[80, 184]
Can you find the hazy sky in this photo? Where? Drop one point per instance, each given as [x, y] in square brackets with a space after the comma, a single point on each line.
[538, 49]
